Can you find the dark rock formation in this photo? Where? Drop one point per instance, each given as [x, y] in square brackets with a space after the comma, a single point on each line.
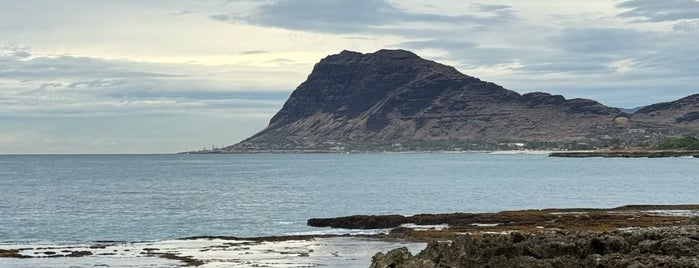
[395, 98]
[397, 258]
[360, 222]
[9, 253]
[651, 247]
[79, 253]
[562, 219]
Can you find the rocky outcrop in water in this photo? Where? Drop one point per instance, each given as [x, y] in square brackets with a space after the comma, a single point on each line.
[554, 219]
[651, 247]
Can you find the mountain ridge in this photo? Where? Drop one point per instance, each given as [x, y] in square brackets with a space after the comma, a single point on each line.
[383, 100]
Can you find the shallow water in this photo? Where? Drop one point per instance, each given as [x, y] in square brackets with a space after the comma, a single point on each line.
[346, 252]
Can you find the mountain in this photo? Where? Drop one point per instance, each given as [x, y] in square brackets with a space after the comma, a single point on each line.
[681, 113]
[395, 100]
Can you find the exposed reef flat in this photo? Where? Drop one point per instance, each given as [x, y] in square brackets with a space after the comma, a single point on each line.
[628, 154]
[628, 236]
[572, 219]
[291, 251]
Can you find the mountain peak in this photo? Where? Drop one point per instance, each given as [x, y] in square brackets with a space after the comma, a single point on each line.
[395, 54]
[358, 100]
[399, 53]
[347, 56]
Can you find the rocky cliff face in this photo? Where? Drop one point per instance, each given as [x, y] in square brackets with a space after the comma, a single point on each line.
[393, 98]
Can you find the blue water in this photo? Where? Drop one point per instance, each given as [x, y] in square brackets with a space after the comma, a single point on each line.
[155, 197]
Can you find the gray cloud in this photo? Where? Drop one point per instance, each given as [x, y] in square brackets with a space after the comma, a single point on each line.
[183, 12]
[220, 17]
[226, 2]
[22, 54]
[488, 8]
[253, 52]
[603, 40]
[12, 53]
[274, 96]
[340, 16]
[72, 67]
[661, 53]
[687, 26]
[95, 83]
[468, 53]
[502, 11]
[282, 61]
[619, 66]
[657, 11]
[67, 86]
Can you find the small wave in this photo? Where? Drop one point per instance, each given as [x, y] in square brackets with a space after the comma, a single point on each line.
[675, 212]
[343, 232]
[424, 227]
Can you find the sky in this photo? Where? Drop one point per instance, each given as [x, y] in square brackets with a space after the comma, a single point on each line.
[164, 76]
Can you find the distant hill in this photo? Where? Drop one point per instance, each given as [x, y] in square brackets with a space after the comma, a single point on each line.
[394, 100]
[631, 110]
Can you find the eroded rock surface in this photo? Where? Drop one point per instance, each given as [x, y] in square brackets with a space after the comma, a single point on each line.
[648, 247]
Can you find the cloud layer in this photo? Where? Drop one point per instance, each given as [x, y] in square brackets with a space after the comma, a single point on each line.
[88, 87]
[658, 11]
[119, 76]
[339, 16]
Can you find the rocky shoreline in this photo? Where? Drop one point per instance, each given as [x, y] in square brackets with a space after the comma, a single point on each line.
[208, 251]
[628, 154]
[647, 247]
[628, 236]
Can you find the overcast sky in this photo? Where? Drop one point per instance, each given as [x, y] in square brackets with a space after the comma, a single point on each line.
[160, 76]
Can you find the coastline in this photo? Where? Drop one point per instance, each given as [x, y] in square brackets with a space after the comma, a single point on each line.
[418, 239]
[628, 153]
[292, 251]
[628, 236]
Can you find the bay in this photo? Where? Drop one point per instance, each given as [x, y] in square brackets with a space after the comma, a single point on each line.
[77, 198]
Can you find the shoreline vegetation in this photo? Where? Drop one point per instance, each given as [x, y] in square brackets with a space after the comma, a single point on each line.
[687, 146]
[628, 236]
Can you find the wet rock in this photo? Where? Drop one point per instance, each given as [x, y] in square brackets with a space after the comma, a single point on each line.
[608, 244]
[79, 254]
[649, 247]
[187, 260]
[9, 253]
[399, 258]
[517, 237]
[680, 247]
[359, 222]
[400, 230]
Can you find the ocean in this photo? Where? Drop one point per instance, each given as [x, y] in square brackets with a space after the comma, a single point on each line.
[58, 199]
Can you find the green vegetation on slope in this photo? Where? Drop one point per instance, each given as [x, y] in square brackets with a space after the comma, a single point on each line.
[683, 143]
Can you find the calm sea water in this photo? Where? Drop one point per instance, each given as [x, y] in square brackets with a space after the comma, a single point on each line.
[155, 197]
